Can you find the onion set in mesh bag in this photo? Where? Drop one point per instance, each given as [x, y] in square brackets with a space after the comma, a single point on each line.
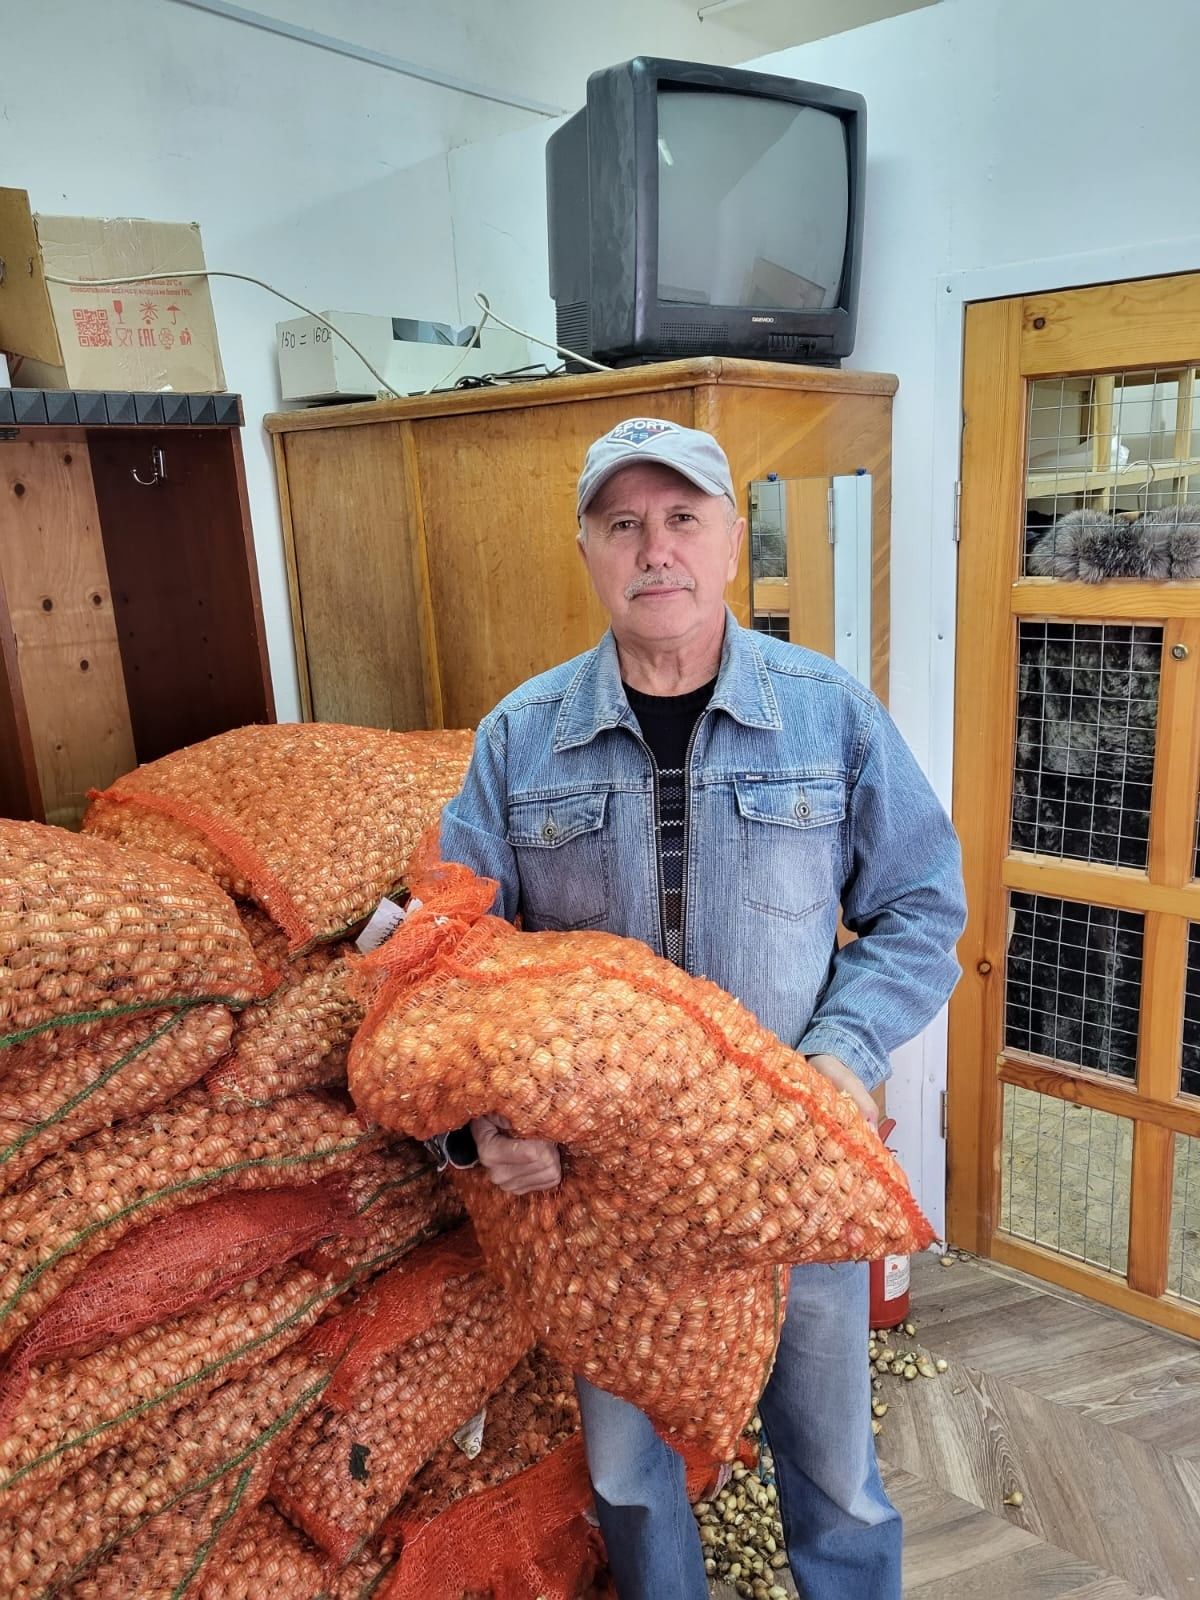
[532, 1412]
[224, 1443]
[90, 932]
[700, 1152]
[314, 821]
[297, 1039]
[416, 1355]
[77, 1400]
[64, 1083]
[82, 1200]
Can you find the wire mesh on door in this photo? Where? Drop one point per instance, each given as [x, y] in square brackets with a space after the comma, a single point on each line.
[1073, 983]
[1183, 1259]
[1190, 1066]
[1113, 483]
[1065, 1177]
[1087, 714]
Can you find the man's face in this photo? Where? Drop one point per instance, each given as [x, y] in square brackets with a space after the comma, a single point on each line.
[660, 552]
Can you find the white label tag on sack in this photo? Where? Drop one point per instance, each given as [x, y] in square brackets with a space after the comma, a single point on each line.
[385, 919]
[469, 1437]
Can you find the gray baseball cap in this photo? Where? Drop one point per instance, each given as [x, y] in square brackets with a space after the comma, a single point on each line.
[695, 455]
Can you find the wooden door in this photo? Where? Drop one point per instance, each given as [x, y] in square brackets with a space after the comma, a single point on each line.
[1074, 1101]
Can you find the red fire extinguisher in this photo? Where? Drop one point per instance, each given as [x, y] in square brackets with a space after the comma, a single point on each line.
[889, 1276]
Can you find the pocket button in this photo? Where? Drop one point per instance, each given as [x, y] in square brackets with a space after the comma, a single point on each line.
[802, 808]
[550, 830]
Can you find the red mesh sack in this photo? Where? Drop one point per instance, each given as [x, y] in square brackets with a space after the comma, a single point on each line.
[76, 1406]
[174, 1551]
[61, 1085]
[298, 1039]
[314, 821]
[82, 1200]
[417, 1355]
[90, 931]
[526, 1539]
[172, 1264]
[228, 1439]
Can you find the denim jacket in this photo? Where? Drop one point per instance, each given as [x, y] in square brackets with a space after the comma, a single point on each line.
[802, 798]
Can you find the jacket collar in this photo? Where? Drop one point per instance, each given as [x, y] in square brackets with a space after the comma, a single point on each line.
[596, 697]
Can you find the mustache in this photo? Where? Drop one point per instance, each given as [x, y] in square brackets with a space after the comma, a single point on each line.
[650, 581]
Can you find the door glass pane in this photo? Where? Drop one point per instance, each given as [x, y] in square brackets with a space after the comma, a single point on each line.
[1064, 1177]
[1183, 1262]
[1190, 1081]
[1087, 713]
[1073, 983]
[1113, 485]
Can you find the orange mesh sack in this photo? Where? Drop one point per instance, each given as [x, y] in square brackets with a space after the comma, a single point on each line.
[82, 1200]
[269, 1560]
[400, 1201]
[67, 1082]
[532, 1413]
[172, 1264]
[298, 1039]
[74, 1406]
[225, 1443]
[314, 821]
[419, 1353]
[272, 1560]
[692, 1348]
[525, 1539]
[172, 1553]
[700, 1152]
[691, 1131]
[89, 932]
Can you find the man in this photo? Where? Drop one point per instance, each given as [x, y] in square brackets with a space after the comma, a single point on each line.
[720, 795]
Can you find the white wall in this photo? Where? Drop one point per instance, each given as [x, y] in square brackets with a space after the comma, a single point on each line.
[999, 132]
[323, 175]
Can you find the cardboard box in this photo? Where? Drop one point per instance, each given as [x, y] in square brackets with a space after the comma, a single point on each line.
[315, 365]
[155, 335]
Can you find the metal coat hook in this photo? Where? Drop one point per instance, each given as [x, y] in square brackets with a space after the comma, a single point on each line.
[158, 462]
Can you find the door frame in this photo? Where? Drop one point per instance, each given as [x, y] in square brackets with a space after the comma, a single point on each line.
[953, 293]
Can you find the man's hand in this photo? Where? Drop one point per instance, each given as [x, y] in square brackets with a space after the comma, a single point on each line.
[518, 1166]
[841, 1077]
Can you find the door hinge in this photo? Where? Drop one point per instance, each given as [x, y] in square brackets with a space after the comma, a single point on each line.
[957, 510]
[830, 517]
[943, 1114]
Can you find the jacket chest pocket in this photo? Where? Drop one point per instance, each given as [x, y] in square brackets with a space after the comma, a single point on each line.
[562, 862]
[791, 842]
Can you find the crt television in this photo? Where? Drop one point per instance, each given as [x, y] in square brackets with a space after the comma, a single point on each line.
[699, 210]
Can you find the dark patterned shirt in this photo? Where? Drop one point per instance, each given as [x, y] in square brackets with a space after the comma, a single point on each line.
[667, 722]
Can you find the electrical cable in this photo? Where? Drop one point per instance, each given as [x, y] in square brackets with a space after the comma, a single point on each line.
[481, 300]
[547, 344]
[244, 277]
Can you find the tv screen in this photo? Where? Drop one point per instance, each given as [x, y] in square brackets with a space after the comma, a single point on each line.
[697, 210]
[753, 202]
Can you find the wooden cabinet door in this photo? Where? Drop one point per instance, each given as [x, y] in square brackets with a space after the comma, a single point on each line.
[1074, 1102]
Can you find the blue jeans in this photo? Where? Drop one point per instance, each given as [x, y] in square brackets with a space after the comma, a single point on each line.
[843, 1534]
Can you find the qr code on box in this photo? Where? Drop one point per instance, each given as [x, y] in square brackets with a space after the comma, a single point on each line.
[92, 328]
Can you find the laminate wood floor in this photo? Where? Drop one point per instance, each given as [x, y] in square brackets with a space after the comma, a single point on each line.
[1094, 1417]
